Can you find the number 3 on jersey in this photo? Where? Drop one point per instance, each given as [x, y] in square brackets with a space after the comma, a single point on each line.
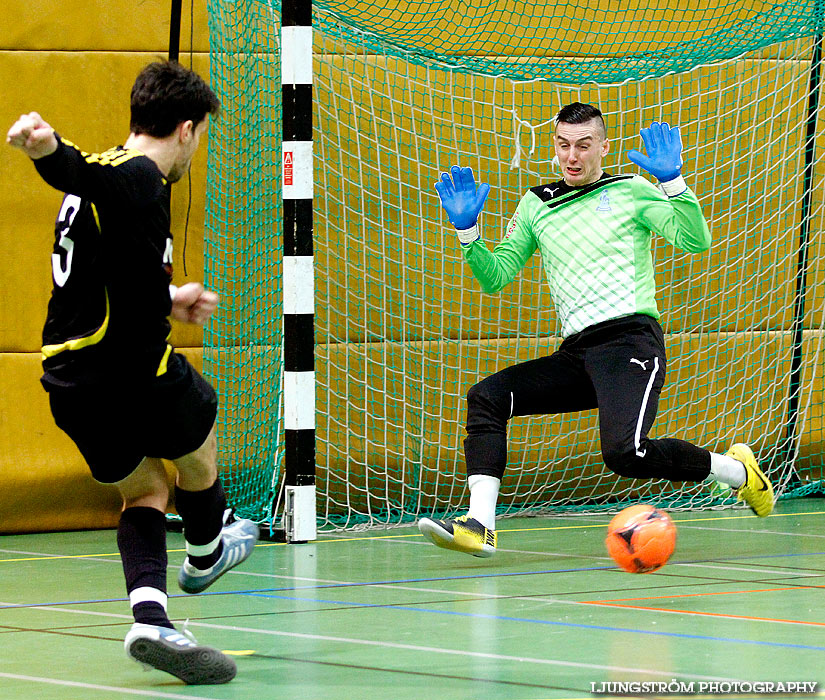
[61, 270]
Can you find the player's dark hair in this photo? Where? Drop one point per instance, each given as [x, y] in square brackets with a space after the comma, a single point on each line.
[580, 113]
[166, 94]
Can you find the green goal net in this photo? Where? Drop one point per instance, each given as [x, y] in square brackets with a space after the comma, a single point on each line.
[402, 91]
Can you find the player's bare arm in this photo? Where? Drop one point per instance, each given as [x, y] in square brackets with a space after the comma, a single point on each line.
[192, 303]
[32, 135]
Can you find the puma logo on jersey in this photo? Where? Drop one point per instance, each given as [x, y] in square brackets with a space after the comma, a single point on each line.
[641, 363]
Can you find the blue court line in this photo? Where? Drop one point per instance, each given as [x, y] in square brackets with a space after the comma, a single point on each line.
[313, 587]
[435, 579]
[551, 623]
[268, 593]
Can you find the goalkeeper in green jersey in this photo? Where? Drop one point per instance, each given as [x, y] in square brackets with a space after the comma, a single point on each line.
[593, 231]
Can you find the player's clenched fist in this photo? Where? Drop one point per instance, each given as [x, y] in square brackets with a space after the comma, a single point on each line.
[32, 135]
[192, 303]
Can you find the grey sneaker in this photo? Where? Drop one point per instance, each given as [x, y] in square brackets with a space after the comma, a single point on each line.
[238, 540]
[179, 654]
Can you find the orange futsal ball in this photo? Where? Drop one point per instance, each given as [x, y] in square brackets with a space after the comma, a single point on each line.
[641, 539]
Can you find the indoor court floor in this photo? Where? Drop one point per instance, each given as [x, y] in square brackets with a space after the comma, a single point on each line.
[383, 615]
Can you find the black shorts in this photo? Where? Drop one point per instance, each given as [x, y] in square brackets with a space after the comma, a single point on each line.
[116, 427]
[617, 366]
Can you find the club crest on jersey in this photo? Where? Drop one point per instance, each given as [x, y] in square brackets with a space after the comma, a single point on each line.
[604, 202]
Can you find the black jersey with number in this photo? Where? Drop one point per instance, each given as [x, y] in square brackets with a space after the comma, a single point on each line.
[111, 265]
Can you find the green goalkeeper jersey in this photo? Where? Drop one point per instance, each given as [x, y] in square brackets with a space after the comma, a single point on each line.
[595, 244]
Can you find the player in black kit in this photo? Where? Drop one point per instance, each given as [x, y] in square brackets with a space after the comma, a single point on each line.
[116, 386]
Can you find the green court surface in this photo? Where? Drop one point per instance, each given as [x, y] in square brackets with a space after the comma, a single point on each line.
[383, 615]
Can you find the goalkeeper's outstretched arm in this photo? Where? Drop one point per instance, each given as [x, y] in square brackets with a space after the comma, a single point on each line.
[463, 202]
[680, 219]
[663, 144]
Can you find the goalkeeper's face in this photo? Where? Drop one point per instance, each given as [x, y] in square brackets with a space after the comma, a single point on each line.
[580, 149]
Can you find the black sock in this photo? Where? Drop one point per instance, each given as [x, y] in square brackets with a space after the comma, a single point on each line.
[151, 614]
[141, 538]
[202, 515]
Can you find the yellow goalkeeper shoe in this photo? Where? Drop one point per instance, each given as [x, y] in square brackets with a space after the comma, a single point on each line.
[757, 491]
[464, 534]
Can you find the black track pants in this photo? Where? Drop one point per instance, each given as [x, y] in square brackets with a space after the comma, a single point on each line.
[616, 366]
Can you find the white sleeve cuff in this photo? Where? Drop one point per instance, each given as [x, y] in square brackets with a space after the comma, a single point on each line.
[674, 187]
[468, 235]
[172, 291]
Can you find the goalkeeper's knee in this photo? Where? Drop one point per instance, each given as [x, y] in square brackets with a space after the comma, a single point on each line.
[627, 461]
[488, 403]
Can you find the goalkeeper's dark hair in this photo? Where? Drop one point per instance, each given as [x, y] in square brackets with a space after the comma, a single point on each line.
[166, 94]
[580, 113]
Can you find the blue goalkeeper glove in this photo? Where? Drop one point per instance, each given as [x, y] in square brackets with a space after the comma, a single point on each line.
[462, 201]
[664, 152]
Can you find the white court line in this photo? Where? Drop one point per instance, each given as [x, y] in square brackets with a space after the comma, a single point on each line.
[170, 567]
[407, 647]
[253, 574]
[608, 559]
[295, 595]
[539, 599]
[94, 686]
[784, 572]
[686, 524]
[360, 584]
[333, 582]
[735, 618]
[80, 557]
[174, 567]
[33, 554]
[787, 572]
[456, 652]
[55, 608]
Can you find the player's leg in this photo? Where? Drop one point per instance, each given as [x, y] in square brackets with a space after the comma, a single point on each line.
[212, 547]
[628, 373]
[184, 432]
[201, 503]
[109, 428]
[153, 641]
[554, 384]
[141, 538]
